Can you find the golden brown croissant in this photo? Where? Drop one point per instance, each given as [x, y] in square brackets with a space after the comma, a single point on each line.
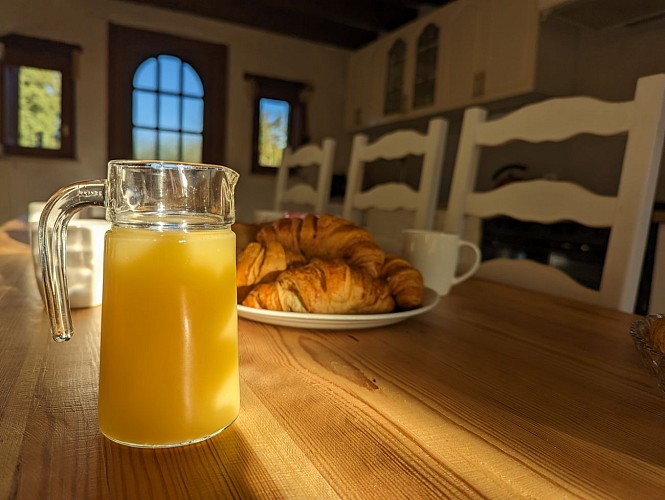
[405, 282]
[259, 259]
[258, 263]
[288, 244]
[334, 237]
[323, 286]
[325, 237]
[287, 233]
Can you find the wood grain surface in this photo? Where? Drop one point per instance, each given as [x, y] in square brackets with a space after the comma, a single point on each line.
[496, 393]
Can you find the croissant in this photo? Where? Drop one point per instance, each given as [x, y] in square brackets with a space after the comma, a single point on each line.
[323, 286]
[405, 282]
[258, 263]
[325, 237]
[287, 233]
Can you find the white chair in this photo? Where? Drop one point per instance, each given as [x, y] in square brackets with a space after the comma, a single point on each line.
[309, 156]
[395, 196]
[627, 214]
[657, 291]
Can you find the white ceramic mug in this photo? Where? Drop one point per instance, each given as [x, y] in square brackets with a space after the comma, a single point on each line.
[436, 254]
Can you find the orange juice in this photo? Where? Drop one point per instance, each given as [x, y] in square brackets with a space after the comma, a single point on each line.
[169, 344]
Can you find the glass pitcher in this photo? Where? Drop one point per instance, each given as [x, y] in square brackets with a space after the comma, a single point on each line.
[169, 332]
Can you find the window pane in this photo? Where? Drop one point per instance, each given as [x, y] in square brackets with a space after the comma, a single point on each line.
[395, 78]
[40, 108]
[192, 114]
[191, 84]
[169, 74]
[144, 112]
[169, 111]
[145, 144]
[429, 37]
[426, 57]
[273, 131]
[146, 75]
[192, 147]
[169, 146]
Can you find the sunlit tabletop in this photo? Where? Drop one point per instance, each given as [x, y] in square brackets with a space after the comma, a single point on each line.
[495, 393]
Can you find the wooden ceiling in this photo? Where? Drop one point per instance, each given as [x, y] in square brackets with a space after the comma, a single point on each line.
[347, 24]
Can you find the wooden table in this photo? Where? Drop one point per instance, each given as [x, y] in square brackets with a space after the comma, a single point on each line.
[496, 393]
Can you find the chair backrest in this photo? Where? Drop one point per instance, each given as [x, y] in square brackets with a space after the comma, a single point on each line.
[310, 156]
[396, 195]
[627, 214]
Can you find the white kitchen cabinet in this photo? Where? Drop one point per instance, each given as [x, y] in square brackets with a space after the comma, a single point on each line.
[462, 45]
[510, 58]
[489, 51]
[362, 85]
[368, 69]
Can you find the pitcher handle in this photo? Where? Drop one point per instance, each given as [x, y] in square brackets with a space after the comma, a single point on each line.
[53, 252]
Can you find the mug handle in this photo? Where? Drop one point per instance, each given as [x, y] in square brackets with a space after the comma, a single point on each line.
[474, 267]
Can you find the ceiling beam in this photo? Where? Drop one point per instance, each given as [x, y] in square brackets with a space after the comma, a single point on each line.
[349, 24]
[368, 15]
[264, 15]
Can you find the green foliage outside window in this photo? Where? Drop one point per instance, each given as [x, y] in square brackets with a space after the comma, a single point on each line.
[40, 108]
[273, 131]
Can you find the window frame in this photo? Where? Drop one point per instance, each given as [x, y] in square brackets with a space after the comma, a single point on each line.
[17, 51]
[283, 90]
[425, 76]
[128, 48]
[393, 99]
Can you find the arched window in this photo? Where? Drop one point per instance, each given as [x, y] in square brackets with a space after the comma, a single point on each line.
[167, 110]
[202, 69]
[426, 56]
[395, 78]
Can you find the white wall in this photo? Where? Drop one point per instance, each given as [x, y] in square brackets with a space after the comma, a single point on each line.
[611, 61]
[84, 23]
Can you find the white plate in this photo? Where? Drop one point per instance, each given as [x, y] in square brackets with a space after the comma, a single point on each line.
[336, 321]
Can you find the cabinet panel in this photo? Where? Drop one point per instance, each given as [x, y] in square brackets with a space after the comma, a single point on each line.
[365, 87]
[512, 41]
[356, 90]
[460, 49]
[490, 48]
